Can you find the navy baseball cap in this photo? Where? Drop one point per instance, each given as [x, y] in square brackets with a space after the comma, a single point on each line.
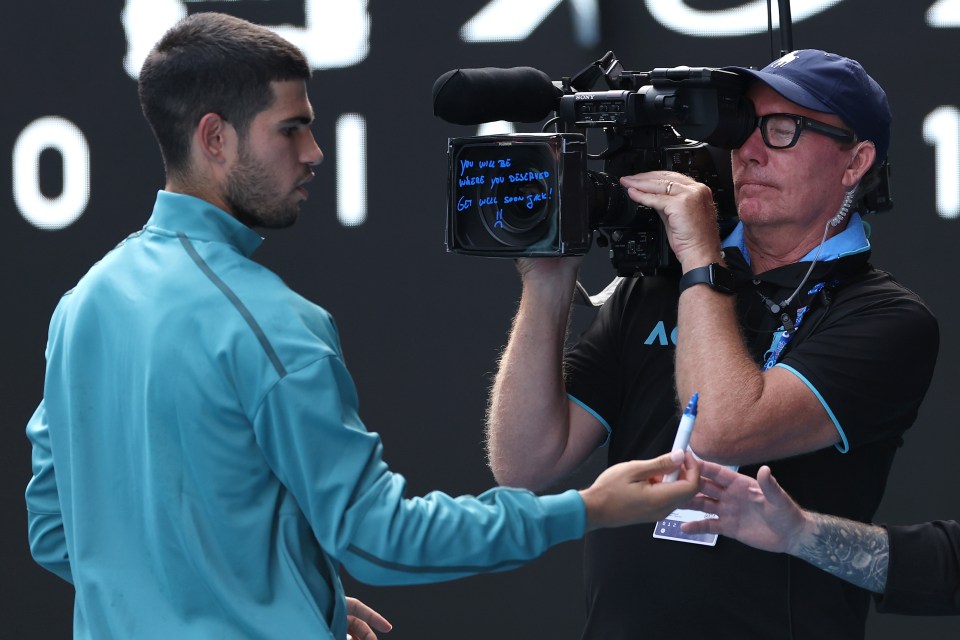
[830, 83]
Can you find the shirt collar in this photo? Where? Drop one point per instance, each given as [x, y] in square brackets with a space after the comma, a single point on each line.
[175, 213]
[851, 240]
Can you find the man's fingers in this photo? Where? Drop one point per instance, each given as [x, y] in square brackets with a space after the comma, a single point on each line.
[661, 465]
[357, 629]
[366, 616]
[671, 494]
[771, 488]
[665, 497]
[681, 490]
[717, 473]
[654, 182]
[710, 488]
[711, 525]
[702, 503]
[691, 468]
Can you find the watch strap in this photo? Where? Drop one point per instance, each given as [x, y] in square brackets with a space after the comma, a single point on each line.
[714, 275]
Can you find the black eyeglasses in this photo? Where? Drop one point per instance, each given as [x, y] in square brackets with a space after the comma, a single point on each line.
[782, 130]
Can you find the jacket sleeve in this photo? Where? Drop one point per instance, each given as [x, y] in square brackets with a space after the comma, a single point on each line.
[312, 436]
[48, 542]
[923, 577]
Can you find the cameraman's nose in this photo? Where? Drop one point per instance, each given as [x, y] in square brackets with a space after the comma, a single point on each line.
[752, 148]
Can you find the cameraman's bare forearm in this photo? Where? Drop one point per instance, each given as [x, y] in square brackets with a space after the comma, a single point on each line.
[745, 415]
[528, 417]
[528, 421]
[856, 552]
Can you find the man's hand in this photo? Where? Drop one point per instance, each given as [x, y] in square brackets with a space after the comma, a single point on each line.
[632, 492]
[757, 512]
[362, 620]
[688, 211]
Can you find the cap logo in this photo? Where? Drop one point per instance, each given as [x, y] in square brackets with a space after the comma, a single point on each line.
[790, 57]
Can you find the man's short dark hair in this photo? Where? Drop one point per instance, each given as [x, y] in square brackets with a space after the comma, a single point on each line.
[212, 63]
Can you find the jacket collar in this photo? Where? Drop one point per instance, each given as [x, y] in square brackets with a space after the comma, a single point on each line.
[176, 213]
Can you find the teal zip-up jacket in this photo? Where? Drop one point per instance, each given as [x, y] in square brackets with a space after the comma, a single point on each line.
[200, 469]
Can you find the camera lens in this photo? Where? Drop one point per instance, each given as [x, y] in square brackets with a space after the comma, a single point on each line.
[505, 194]
[524, 204]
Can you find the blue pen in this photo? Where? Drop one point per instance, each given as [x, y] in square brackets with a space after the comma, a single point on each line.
[682, 440]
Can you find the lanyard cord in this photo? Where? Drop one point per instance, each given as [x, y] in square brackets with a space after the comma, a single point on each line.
[786, 332]
[789, 328]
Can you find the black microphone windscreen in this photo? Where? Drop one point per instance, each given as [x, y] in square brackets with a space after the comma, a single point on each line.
[474, 96]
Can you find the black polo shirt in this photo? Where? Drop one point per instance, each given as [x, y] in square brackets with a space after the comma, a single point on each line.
[923, 576]
[866, 346]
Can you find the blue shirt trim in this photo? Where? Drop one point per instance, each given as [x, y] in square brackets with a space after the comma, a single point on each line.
[850, 241]
[844, 445]
[596, 415]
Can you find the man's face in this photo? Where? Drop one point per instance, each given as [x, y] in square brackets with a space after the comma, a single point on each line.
[266, 184]
[797, 187]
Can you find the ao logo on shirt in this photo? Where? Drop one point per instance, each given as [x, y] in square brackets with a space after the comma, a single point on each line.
[659, 336]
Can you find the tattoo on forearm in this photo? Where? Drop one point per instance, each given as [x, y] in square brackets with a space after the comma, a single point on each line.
[857, 552]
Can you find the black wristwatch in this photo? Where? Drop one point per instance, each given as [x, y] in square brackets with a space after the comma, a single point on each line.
[715, 275]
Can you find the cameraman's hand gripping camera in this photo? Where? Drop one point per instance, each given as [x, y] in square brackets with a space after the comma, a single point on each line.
[532, 194]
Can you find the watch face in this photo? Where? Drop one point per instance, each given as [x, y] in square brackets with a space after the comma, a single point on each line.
[723, 279]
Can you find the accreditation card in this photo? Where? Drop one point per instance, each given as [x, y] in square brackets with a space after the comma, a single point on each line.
[669, 527]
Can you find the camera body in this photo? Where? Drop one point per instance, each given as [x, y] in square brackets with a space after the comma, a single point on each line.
[519, 195]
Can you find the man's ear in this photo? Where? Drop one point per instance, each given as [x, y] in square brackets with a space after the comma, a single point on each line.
[860, 162]
[215, 138]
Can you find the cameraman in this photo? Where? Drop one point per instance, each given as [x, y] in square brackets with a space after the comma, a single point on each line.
[805, 356]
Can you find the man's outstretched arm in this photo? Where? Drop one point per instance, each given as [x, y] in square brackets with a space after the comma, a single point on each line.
[759, 513]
